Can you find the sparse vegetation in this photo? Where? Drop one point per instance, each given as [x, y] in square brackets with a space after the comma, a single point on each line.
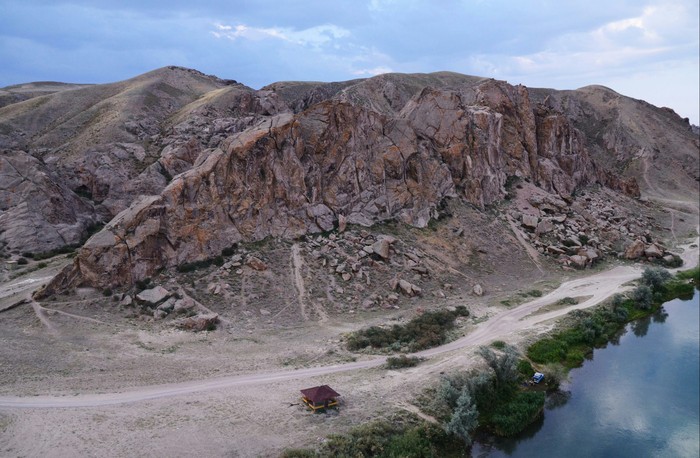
[595, 328]
[229, 251]
[402, 361]
[203, 264]
[397, 436]
[567, 301]
[493, 400]
[424, 331]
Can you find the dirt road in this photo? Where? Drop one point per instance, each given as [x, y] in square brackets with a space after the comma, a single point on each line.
[595, 288]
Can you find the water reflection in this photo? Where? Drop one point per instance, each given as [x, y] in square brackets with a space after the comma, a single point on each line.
[557, 399]
[638, 397]
[640, 328]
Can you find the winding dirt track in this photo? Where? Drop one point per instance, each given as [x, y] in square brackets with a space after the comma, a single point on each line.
[598, 287]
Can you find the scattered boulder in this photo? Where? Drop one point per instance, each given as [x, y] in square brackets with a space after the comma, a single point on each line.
[153, 297]
[579, 261]
[168, 305]
[409, 288]
[544, 227]
[183, 305]
[668, 259]
[530, 221]
[635, 250]
[392, 298]
[555, 250]
[478, 290]
[381, 247]
[256, 263]
[200, 322]
[653, 251]
[342, 223]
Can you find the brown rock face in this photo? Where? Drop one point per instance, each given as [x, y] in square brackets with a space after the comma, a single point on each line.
[292, 174]
[38, 213]
[186, 164]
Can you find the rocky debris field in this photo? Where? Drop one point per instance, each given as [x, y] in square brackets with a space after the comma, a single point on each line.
[579, 232]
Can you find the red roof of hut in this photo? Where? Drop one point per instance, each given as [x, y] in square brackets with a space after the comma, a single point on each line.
[320, 394]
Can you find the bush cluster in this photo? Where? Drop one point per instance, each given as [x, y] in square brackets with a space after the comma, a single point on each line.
[402, 361]
[490, 400]
[391, 438]
[424, 331]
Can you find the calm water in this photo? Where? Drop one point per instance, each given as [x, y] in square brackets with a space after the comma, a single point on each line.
[639, 397]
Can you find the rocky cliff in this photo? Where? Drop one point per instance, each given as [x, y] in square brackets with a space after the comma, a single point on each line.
[216, 162]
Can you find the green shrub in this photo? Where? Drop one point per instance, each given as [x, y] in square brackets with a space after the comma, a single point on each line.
[655, 277]
[692, 274]
[643, 297]
[392, 438]
[511, 417]
[424, 331]
[107, 292]
[534, 293]
[41, 265]
[547, 350]
[402, 361]
[567, 301]
[22, 261]
[299, 453]
[525, 368]
[498, 344]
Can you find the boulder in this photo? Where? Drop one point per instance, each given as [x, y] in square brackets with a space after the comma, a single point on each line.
[478, 290]
[183, 305]
[153, 297]
[635, 250]
[256, 263]
[579, 261]
[200, 322]
[544, 227]
[555, 250]
[668, 259]
[530, 221]
[409, 288]
[381, 247]
[653, 251]
[168, 306]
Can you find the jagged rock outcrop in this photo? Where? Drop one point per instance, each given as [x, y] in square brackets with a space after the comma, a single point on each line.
[37, 212]
[220, 163]
[293, 174]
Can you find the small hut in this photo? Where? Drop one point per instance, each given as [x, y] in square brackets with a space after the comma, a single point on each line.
[319, 397]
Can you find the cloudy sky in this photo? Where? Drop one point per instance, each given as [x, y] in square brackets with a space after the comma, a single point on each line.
[642, 48]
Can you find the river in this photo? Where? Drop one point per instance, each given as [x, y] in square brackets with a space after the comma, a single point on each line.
[637, 397]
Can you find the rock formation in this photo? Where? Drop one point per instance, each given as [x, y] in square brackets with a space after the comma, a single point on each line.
[184, 165]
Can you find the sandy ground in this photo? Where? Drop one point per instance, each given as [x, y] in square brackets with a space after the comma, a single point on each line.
[69, 410]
